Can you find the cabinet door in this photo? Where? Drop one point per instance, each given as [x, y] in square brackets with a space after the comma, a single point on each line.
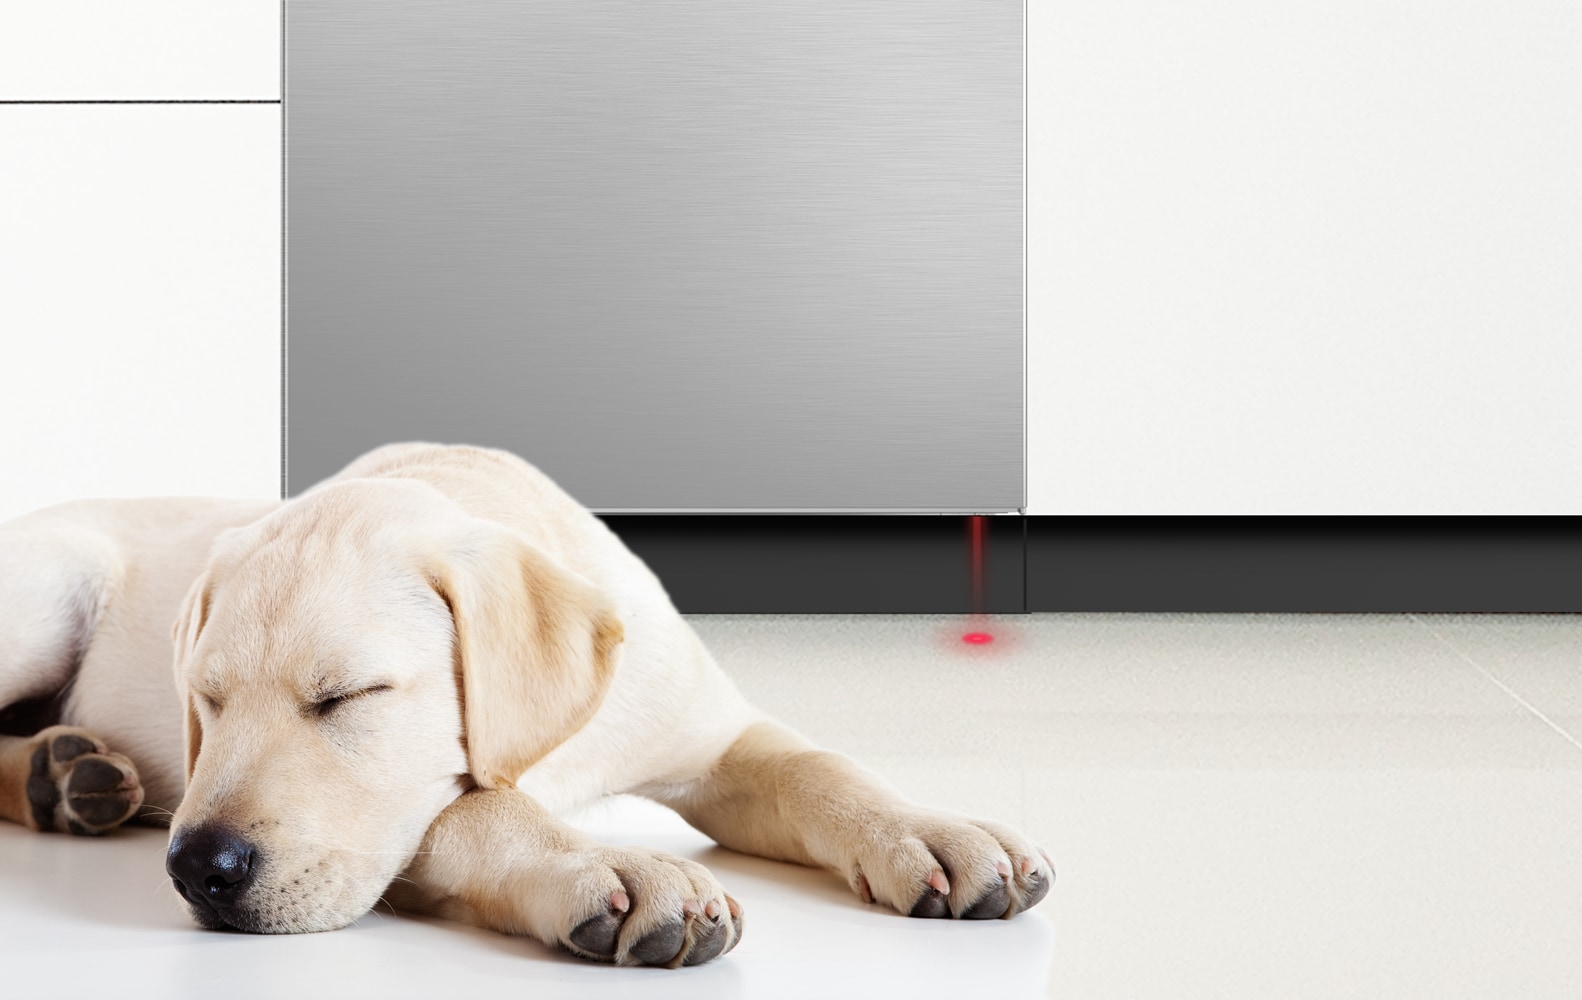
[1306, 258]
[714, 255]
[139, 302]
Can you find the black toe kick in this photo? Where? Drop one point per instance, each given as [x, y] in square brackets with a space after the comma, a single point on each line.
[915, 564]
[828, 563]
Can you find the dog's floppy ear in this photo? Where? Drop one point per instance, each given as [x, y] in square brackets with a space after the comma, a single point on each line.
[189, 623]
[536, 645]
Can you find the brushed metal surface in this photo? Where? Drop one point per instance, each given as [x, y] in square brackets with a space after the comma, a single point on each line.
[707, 255]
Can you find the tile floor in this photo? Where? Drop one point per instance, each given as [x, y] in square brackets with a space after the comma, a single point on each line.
[1238, 806]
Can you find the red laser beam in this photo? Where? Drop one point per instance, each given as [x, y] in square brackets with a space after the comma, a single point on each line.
[977, 536]
[977, 531]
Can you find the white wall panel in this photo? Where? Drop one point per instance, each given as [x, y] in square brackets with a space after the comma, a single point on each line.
[139, 49]
[1305, 258]
[139, 301]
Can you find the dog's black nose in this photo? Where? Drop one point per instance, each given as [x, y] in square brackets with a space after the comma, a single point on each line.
[211, 864]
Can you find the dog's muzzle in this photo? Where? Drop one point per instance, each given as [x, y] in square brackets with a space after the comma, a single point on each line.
[212, 868]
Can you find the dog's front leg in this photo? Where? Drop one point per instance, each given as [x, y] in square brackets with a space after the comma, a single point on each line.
[498, 859]
[774, 794]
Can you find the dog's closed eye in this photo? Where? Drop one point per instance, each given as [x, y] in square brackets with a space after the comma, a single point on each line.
[330, 702]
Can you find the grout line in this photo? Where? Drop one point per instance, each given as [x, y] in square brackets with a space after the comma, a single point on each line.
[1498, 683]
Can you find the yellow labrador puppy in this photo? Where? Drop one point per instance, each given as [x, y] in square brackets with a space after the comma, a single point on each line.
[410, 670]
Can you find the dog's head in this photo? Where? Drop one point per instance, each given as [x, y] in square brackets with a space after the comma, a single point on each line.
[350, 664]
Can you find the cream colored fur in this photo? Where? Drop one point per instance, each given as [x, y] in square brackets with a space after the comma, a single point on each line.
[408, 671]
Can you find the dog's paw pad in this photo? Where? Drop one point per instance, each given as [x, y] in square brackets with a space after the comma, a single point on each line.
[710, 941]
[736, 923]
[1036, 887]
[930, 905]
[661, 945]
[991, 905]
[934, 902]
[598, 935]
[76, 785]
[68, 747]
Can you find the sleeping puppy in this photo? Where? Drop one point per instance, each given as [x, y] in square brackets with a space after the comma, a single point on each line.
[409, 671]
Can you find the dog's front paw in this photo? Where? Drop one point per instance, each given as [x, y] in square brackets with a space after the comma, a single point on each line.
[76, 785]
[640, 907]
[928, 865]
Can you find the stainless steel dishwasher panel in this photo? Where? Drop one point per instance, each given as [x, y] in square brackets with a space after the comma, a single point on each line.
[703, 255]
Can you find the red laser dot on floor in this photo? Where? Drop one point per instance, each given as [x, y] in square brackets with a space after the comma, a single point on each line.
[977, 638]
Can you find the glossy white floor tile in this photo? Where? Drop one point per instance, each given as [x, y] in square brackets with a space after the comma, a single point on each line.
[1237, 806]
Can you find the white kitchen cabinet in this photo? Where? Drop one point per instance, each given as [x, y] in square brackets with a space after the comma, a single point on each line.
[140, 50]
[139, 301]
[1319, 258]
[1282, 259]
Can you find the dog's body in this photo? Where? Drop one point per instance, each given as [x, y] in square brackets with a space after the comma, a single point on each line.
[369, 677]
[87, 592]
